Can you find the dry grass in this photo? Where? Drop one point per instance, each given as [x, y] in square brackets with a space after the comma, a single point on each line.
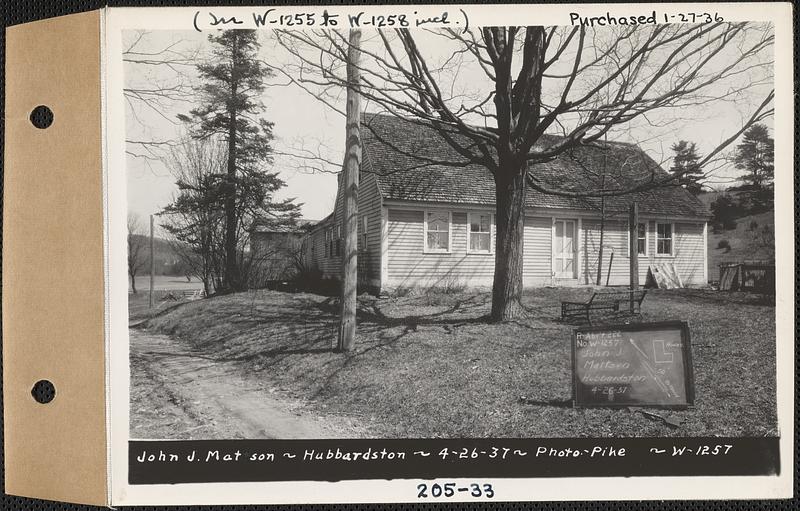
[430, 366]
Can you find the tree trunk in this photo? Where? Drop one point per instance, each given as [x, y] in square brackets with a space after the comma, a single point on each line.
[152, 261]
[510, 220]
[133, 283]
[352, 162]
[231, 279]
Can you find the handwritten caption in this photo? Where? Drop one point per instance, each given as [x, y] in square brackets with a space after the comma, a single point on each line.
[650, 18]
[281, 19]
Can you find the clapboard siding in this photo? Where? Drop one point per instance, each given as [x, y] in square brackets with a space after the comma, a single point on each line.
[537, 251]
[409, 266]
[615, 240]
[688, 254]
[369, 207]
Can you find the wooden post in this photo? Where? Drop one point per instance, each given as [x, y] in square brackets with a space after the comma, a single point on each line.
[349, 183]
[633, 230]
[610, 262]
[152, 262]
[602, 228]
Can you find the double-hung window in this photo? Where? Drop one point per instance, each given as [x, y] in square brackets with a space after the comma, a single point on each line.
[641, 238]
[664, 238]
[437, 231]
[480, 233]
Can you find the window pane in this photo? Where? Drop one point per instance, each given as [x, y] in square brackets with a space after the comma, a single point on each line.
[642, 246]
[567, 265]
[479, 241]
[486, 223]
[438, 221]
[559, 237]
[433, 239]
[437, 241]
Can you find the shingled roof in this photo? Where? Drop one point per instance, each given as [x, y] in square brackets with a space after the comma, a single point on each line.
[408, 159]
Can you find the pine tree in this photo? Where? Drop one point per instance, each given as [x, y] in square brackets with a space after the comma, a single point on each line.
[685, 166]
[230, 109]
[756, 156]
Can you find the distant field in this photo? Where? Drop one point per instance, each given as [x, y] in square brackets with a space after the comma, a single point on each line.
[165, 282]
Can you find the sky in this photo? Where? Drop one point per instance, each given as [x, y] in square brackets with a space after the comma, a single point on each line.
[302, 121]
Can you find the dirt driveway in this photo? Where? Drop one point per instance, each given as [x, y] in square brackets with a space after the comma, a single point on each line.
[178, 393]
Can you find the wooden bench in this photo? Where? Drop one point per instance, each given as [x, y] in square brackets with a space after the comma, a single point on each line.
[186, 294]
[617, 303]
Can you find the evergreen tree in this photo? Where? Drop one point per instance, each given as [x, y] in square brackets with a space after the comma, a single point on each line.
[230, 108]
[685, 166]
[756, 156]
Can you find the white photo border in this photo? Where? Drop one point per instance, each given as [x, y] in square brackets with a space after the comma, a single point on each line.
[115, 20]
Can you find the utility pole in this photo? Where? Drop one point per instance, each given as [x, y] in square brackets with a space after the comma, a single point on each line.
[152, 262]
[349, 184]
[633, 230]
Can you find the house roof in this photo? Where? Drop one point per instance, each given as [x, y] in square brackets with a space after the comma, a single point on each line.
[408, 158]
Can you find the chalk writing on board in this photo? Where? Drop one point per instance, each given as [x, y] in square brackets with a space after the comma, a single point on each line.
[644, 364]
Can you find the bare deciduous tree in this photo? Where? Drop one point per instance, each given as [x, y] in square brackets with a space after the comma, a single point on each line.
[137, 258]
[165, 79]
[195, 219]
[577, 82]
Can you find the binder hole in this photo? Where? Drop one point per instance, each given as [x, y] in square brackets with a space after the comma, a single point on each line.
[42, 117]
[43, 391]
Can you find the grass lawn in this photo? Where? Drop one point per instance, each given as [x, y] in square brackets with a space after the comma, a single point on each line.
[139, 304]
[430, 366]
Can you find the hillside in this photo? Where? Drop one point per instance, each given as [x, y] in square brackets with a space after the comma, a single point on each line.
[742, 244]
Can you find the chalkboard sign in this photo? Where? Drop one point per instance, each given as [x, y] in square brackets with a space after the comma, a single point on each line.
[645, 364]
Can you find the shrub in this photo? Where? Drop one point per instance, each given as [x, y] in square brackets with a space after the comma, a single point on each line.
[401, 291]
[453, 288]
[724, 212]
[308, 279]
[724, 244]
[450, 285]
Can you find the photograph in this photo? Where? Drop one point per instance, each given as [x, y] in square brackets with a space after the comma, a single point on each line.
[451, 233]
